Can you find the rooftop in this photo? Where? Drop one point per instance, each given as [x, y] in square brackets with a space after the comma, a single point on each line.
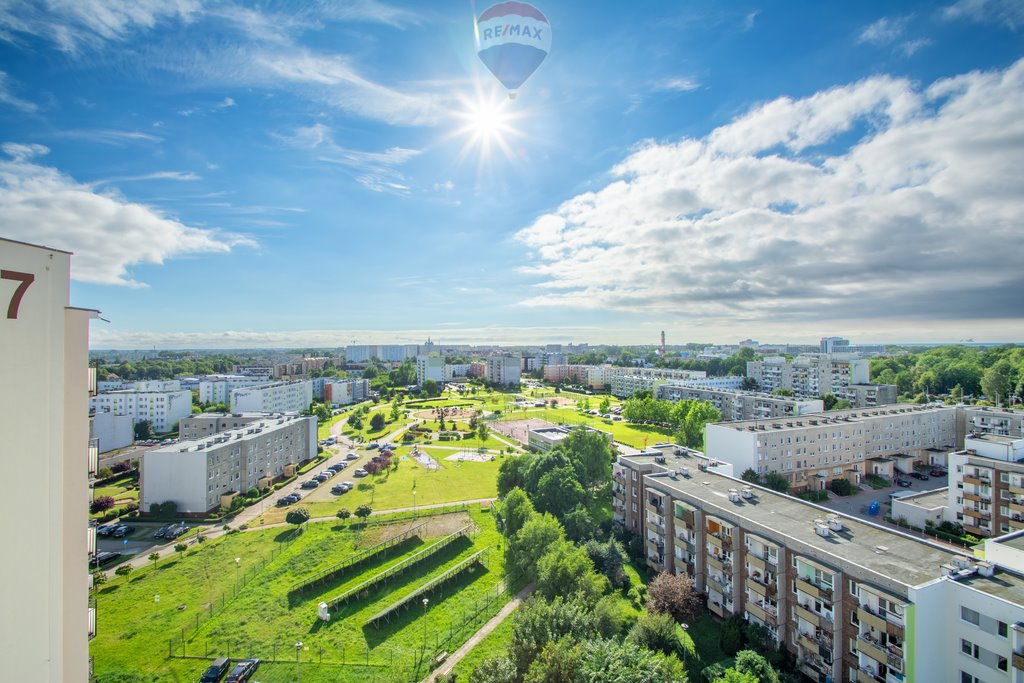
[896, 556]
[1004, 584]
[928, 499]
[995, 438]
[834, 417]
[250, 431]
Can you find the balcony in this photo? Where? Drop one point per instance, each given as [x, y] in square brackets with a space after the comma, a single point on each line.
[974, 497]
[873, 673]
[721, 585]
[812, 589]
[1018, 661]
[720, 563]
[1017, 489]
[811, 642]
[820, 620]
[977, 481]
[814, 668]
[755, 562]
[756, 586]
[685, 516]
[1017, 505]
[717, 609]
[873, 649]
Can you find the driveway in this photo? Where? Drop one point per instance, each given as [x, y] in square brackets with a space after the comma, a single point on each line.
[857, 505]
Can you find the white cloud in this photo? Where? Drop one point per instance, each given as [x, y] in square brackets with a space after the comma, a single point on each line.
[375, 170]
[877, 200]
[107, 233]
[679, 84]
[885, 31]
[1009, 13]
[111, 137]
[225, 103]
[156, 175]
[10, 99]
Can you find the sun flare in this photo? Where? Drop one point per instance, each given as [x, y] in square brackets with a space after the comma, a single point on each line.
[487, 123]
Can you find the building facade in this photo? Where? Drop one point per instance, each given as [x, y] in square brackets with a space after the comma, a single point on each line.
[111, 431]
[207, 424]
[742, 405]
[280, 397]
[152, 401]
[341, 392]
[503, 370]
[813, 375]
[852, 601]
[218, 389]
[45, 588]
[204, 474]
[431, 367]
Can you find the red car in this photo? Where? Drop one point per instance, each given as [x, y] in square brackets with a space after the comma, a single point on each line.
[938, 473]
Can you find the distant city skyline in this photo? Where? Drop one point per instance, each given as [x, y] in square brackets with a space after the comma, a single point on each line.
[309, 174]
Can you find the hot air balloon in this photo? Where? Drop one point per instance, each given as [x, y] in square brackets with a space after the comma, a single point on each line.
[512, 39]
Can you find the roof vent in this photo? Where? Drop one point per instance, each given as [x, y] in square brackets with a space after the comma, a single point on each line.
[986, 569]
[962, 562]
[881, 549]
[821, 528]
[747, 493]
[835, 523]
[734, 495]
[685, 472]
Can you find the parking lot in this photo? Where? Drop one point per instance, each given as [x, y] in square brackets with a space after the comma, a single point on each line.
[857, 505]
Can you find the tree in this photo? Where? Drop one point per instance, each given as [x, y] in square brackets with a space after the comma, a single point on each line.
[579, 524]
[494, 670]
[781, 391]
[364, 511]
[733, 676]
[777, 482]
[605, 406]
[566, 569]
[997, 382]
[750, 662]
[556, 663]
[750, 384]
[829, 400]
[124, 570]
[609, 559]
[750, 475]
[430, 388]
[516, 509]
[674, 594]
[611, 660]
[590, 455]
[396, 410]
[583, 405]
[180, 548]
[297, 516]
[370, 372]
[730, 637]
[343, 514]
[377, 422]
[105, 473]
[539, 622]
[355, 421]
[98, 578]
[153, 557]
[558, 492]
[512, 473]
[143, 430]
[700, 413]
[101, 504]
[482, 431]
[655, 631]
[527, 547]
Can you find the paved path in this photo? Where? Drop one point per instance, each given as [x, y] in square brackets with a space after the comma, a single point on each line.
[484, 631]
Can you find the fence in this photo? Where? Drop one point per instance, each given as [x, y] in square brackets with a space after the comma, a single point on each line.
[354, 560]
[389, 665]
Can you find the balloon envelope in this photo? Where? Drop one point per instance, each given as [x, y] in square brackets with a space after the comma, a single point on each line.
[513, 38]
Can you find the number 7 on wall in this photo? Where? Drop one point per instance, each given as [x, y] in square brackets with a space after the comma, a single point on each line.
[25, 279]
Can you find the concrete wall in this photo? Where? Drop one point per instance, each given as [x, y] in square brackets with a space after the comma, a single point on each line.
[113, 431]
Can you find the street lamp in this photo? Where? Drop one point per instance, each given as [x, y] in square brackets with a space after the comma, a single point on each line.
[425, 603]
[298, 673]
[237, 561]
[686, 627]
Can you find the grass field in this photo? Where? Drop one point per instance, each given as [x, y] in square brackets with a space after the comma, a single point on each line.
[635, 435]
[123, 491]
[455, 481]
[135, 632]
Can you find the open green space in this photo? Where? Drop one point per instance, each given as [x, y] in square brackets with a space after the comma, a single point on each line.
[454, 481]
[635, 435]
[200, 613]
[124, 491]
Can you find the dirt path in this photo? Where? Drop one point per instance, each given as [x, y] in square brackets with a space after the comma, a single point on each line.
[484, 631]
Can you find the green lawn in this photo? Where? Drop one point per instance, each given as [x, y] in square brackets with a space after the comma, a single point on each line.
[635, 435]
[123, 491]
[135, 632]
[453, 482]
[494, 645]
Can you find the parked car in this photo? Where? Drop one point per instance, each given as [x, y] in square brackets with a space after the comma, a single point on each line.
[938, 472]
[122, 530]
[106, 529]
[310, 484]
[916, 475]
[162, 531]
[243, 671]
[352, 456]
[361, 472]
[104, 557]
[285, 500]
[373, 446]
[216, 670]
[339, 489]
[338, 467]
[350, 484]
[176, 530]
[905, 483]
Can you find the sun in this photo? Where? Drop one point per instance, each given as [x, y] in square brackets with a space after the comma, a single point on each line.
[486, 122]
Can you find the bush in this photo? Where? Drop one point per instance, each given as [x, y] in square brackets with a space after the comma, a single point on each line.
[843, 487]
[730, 638]
[101, 504]
[105, 473]
[297, 516]
[252, 493]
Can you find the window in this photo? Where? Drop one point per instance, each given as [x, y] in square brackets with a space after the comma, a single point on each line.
[1001, 629]
[969, 648]
[969, 615]
[1001, 663]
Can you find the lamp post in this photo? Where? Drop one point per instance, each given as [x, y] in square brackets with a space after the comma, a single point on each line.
[425, 603]
[298, 673]
[238, 560]
[686, 627]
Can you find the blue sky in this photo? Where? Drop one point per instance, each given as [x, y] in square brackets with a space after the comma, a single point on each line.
[323, 173]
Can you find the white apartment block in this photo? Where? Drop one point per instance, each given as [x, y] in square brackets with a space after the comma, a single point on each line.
[111, 431]
[460, 369]
[207, 424]
[503, 370]
[163, 407]
[218, 389]
[851, 600]
[341, 392]
[819, 374]
[204, 474]
[742, 405]
[546, 438]
[814, 449]
[45, 414]
[360, 353]
[986, 485]
[254, 370]
[280, 397]
[625, 382]
[729, 382]
[991, 420]
[433, 367]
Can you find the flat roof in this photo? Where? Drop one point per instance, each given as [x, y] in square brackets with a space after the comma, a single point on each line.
[1015, 541]
[1004, 584]
[995, 438]
[927, 499]
[249, 431]
[894, 555]
[834, 417]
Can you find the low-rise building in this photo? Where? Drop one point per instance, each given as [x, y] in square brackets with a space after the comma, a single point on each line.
[986, 485]
[341, 392]
[201, 475]
[742, 405]
[279, 397]
[546, 438]
[111, 431]
[849, 599]
[992, 420]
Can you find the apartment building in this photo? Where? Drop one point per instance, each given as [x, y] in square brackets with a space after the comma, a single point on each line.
[576, 374]
[625, 382]
[820, 374]
[992, 420]
[207, 424]
[728, 383]
[279, 397]
[477, 369]
[203, 474]
[851, 600]
[44, 587]
[254, 370]
[433, 367]
[742, 405]
[814, 449]
[218, 388]
[870, 395]
[162, 403]
[111, 431]
[503, 369]
[341, 392]
[300, 368]
[986, 485]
